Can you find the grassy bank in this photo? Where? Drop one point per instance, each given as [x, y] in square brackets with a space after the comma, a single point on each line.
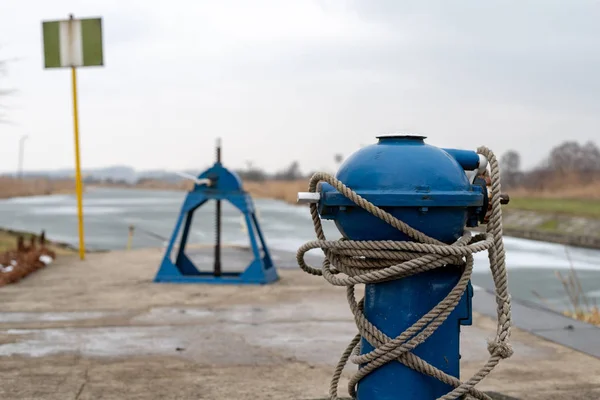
[573, 207]
[564, 188]
[280, 190]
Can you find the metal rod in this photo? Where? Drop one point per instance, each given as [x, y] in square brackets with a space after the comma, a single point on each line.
[217, 266]
[308, 197]
[219, 150]
[21, 155]
[217, 271]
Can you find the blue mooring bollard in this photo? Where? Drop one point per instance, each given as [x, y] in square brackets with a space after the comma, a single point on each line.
[437, 191]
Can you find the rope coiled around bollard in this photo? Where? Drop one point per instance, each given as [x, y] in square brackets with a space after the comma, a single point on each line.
[348, 263]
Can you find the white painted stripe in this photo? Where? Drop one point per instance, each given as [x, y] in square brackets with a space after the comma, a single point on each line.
[63, 39]
[71, 50]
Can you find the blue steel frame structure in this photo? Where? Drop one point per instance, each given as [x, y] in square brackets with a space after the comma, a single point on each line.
[225, 186]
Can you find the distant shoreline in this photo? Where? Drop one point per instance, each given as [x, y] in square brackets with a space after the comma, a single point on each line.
[268, 189]
[573, 222]
[567, 239]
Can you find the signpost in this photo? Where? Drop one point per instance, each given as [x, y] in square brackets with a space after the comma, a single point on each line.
[74, 43]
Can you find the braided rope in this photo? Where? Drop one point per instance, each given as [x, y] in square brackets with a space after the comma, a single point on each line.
[348, 263]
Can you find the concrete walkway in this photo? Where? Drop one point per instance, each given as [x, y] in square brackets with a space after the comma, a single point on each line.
[100, 329]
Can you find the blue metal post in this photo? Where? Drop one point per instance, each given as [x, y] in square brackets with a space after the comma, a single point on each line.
[393, 307]
[427, 188]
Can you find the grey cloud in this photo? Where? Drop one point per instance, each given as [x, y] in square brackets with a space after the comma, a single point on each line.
[447, 69]
[537, 52]
[123, 26]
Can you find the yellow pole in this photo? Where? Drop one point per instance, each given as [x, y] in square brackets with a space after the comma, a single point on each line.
[78, 184]
[130, 237]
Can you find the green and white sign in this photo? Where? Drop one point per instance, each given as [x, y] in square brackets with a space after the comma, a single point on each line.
[73, 43]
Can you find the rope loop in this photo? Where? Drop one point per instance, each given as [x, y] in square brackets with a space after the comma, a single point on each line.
[349, 263]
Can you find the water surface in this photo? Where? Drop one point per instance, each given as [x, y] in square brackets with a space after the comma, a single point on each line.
[109, 213]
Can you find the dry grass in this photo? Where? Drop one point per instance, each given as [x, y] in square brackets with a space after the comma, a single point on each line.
[159, 185]
[271, 189]
[580, 306]
[280, 190]
[549, 205]
[562, 189]
[591, 317]
[11, 187]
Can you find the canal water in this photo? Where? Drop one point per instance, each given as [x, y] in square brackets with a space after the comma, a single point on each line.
[109, 212]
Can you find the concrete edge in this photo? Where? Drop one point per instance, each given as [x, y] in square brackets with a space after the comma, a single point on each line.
[543, 322]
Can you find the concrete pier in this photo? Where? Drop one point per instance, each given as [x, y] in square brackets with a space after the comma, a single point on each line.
[100, 329]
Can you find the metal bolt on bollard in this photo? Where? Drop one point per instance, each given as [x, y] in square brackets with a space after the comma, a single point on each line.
[403, 208]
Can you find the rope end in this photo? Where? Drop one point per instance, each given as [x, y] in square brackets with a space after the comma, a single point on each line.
[500, 349]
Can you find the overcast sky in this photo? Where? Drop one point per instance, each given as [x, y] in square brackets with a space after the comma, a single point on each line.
[283, 80]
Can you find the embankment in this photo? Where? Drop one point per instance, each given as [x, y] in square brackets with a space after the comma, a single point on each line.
[12, 187]
[554, 227]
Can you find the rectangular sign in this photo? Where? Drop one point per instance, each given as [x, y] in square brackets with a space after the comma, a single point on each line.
[73, 43]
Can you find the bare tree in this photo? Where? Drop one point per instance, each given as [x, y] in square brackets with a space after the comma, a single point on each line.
[567, 164]
[510, 161]
[573, 157]
[252, 173]
[292, 172]
[510, 165]
[564, 157]
[590, 157]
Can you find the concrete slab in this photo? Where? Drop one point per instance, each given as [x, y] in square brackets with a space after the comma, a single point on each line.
[100, 329]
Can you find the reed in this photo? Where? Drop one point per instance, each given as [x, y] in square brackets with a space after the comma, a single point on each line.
[12, 187]
[581, 307]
